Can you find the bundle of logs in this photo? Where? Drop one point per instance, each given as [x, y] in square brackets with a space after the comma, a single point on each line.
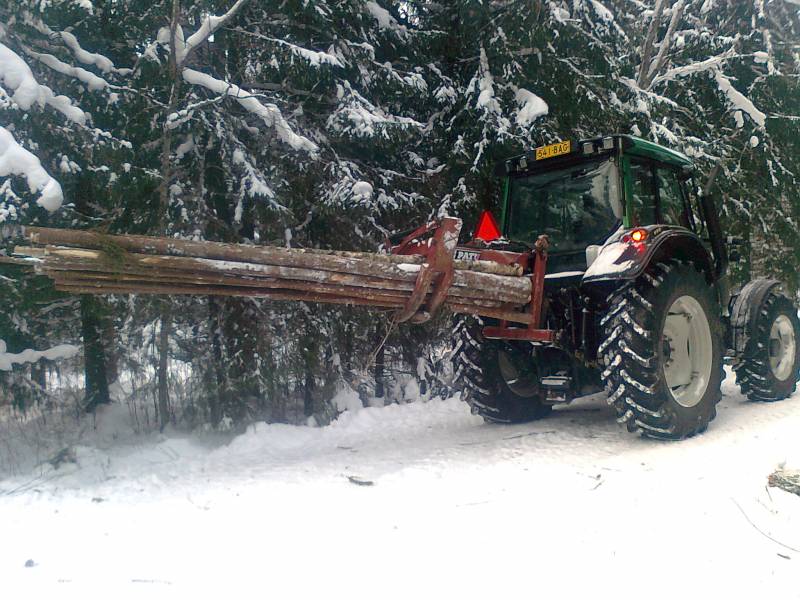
[85, 262]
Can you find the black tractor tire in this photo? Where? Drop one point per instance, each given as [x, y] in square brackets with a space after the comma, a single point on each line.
[635, 352]
[755, 374]
[479, 365]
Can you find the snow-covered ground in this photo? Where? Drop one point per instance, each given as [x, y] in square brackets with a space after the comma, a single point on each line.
[568, 507]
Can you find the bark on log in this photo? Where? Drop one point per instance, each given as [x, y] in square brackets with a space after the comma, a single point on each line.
[154, 288]
[18, 262]
[102, 280]
[296, 257]
[58, 267]
[514, 290]
[99, 283]
[507, 314]
[91, 263]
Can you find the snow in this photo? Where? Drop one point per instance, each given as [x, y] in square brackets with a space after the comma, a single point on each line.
[313, 57]
[7, 359]
[486, 99]
[347, 399]
[707, 7]
[563, 274]
[85, 5]
[607, 263]
[360, 117]
[269, 113]
[382, 16]
[252, 183]
[531, 107]
[739, 100]
[16, 160]
[16, 75]
[409, 268]
[567, 507]
[88, 58]
[602, 11]
[92, 81]
[207, 28]
[362, 190]
[185, 147]
[708, 64]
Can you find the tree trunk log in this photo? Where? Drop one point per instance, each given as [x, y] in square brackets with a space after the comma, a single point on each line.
[96, 381]
[294, 257]
[359, 273]
[163, 363]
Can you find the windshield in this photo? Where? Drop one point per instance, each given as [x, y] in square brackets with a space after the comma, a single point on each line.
[575, 206]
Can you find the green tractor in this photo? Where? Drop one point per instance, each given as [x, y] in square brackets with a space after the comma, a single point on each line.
[635, 295]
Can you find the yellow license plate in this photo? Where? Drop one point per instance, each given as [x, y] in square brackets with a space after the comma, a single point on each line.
[552, 150]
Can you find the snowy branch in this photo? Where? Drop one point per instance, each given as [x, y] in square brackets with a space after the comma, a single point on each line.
[647, 51]
[30, 356]
[739, 100]
[531, 107]
[17, 76]
[661, 57]
[92, 81]
[314, 57]
[16, 160]
[705, 65]
[89, 58]
[209, 25]
[269, 113]
[362, 118]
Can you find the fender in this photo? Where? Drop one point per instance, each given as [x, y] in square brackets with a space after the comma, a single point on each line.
[744, 313]
[622, 259]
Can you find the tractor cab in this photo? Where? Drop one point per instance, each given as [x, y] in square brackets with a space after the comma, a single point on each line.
[585, 194]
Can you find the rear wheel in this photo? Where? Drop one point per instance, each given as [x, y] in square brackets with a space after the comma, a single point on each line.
[499, 380]
[769, 367]
[663, 352]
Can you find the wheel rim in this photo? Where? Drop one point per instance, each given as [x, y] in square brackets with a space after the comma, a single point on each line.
[782, 347]
[688, 351]
[519, 378]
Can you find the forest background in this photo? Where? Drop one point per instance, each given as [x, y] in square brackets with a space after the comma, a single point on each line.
[334, 124]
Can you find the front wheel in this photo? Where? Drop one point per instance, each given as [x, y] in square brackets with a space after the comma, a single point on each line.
[663, 352]
[769, 367]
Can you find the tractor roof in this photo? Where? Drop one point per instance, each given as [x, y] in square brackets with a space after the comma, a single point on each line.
[639, 147]
[569, 151]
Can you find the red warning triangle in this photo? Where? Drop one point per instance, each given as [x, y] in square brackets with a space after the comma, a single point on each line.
[487, 229]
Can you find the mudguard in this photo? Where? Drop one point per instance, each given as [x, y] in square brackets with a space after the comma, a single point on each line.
[744, 313]
[622, 259]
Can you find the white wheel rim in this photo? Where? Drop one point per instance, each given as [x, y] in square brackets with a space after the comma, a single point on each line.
[782, 347]
[688, 351]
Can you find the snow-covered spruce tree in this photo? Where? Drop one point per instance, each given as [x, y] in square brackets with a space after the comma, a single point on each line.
[515, 75]
[55, 99]
[212, 115]
[717, 80]
[346, 75]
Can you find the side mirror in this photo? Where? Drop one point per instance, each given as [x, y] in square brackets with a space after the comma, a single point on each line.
[709, 208]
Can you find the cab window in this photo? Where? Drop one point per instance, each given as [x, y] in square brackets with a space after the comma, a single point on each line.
[643, 193]
[672, 207]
